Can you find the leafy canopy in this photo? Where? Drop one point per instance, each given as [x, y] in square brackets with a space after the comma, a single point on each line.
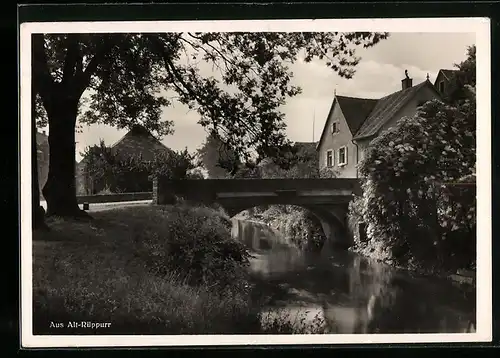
[299, 160]
[130, 78]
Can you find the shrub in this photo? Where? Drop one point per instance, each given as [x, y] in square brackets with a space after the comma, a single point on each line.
[409, 205]
[406, 204]
[197, 242]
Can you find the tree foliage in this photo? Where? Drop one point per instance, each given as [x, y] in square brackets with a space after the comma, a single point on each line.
[408, 202]
[129, 78]
[110, 169]
[297, 160]
[468, 67]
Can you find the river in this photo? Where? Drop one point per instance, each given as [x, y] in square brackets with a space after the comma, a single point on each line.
[336, 291]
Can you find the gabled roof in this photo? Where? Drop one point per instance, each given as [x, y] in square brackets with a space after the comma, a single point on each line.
[387, 107]
[139, 141]
[448, 74]
[355, 110]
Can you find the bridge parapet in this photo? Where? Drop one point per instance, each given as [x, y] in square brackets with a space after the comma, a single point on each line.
[210, 190]
[327, 198]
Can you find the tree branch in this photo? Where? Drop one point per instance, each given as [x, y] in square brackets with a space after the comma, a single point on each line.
[250, 68]
[41, 78]
[186, 89]
[71, 59]
[95, 61]
[223, 57]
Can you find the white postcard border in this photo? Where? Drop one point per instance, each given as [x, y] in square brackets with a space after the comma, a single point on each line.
[480, 26]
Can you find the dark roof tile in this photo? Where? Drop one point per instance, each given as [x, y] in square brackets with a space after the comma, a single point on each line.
[355, 110]
[385, 109]
[449, 73]
[139, 142]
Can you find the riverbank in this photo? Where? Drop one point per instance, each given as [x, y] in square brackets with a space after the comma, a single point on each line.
[144, 270]
[377, 251]
[299, 227]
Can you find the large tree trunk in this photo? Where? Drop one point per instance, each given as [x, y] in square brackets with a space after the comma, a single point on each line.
[60, 188]
[38, 219]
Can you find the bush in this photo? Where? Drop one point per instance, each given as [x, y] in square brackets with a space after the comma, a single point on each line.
[408, 207]
[194, 241]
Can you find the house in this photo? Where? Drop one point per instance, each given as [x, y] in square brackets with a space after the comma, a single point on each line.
[137, 142]
[449, 84]
[42, 142]
[353, 123]
[82, 179]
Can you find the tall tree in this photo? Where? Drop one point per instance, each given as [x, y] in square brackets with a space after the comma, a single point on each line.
[468, 67]
[38, 221]
[123, 75]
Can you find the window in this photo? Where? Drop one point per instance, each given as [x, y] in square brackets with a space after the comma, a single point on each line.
[335, 127]
[329, 158]
[342, 156]
[441, 86]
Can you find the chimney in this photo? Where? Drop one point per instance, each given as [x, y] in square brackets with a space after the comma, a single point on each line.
[407, 82]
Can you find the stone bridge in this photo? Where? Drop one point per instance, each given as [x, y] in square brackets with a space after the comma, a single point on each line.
[327, 199]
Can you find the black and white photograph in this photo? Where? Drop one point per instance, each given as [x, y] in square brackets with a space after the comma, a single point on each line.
[255, 182]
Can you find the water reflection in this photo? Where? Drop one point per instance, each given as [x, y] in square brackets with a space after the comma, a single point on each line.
[349, 293]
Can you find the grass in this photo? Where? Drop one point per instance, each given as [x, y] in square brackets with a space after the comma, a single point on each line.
[151, 270]
[102, 271]
[283, 321]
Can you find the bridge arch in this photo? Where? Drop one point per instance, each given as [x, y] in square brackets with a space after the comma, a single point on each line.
[327, 199]
[334, 228]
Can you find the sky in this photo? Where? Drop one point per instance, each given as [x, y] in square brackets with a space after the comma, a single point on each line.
[379, 73]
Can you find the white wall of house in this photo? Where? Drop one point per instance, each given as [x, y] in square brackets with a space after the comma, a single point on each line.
[336, 141]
